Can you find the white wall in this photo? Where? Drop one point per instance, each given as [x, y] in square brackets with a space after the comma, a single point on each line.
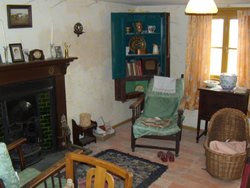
[89, 84]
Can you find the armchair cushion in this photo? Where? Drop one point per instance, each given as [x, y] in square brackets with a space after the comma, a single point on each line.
[140, 129]
[7, 172]
[162, 105]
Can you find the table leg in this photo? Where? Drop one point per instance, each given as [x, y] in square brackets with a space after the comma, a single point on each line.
[198, 130]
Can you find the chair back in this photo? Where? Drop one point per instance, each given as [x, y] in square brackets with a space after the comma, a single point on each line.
[101, 171]
[162, 104]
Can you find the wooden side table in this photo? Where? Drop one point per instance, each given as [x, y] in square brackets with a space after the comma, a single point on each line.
[88, 133]
[213, 99]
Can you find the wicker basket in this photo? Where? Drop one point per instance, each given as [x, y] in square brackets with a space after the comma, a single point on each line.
[232, 124]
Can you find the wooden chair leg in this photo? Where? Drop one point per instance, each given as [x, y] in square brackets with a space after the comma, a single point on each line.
[132, 140]
[177, 146]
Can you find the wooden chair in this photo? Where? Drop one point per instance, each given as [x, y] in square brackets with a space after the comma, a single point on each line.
[30, 177]
[101, 171]
[170, 106]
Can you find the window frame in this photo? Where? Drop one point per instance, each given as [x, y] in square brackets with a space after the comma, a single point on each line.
[226, 14]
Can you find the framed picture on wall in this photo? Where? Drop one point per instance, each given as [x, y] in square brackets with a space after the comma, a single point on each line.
[16, 52]
[19, 16]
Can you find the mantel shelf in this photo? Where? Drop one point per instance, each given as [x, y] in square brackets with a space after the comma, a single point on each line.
[19, 72]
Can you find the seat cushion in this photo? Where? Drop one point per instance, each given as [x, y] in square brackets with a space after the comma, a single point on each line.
[140, 129]
[27, 174]
[7, 172]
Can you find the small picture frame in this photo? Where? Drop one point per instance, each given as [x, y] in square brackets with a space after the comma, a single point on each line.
[59, 53]
[16, 52]
[149, 66]
[19, 16]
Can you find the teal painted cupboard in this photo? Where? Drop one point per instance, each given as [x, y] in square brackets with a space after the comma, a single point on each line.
[140, 49]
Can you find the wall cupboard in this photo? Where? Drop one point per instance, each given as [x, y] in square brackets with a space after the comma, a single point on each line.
[140, 49]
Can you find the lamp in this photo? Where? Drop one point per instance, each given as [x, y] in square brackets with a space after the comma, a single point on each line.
[201, 7]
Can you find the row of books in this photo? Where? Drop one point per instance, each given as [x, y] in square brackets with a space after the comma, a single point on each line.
[134, 68]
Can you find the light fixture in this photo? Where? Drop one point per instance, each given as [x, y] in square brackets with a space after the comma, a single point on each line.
[201, 7]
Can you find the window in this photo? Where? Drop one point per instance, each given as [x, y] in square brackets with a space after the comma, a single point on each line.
[224, 42]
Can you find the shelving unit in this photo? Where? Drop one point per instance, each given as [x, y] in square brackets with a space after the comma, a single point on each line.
[130, 84]
[86, 131]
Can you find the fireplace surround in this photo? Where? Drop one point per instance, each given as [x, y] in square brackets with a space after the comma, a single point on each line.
[24, 87]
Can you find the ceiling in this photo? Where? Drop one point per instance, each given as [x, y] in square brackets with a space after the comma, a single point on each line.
[171, 2]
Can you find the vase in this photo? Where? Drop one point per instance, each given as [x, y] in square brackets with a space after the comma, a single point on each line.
[228, 81]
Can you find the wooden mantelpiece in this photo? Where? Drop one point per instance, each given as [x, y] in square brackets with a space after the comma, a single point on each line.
[13, 73]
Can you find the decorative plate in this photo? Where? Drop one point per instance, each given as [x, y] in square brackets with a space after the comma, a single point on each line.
[137, 42]
[139, 88]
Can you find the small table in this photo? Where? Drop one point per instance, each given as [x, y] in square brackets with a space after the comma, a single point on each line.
[87, 131]
[213, 99]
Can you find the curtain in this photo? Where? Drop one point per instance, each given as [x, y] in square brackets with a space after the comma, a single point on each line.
[243, 48]
[197, 57]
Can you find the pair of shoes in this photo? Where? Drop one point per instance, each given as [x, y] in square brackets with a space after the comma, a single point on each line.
[170, 156]
[165, 157]
[162, 156]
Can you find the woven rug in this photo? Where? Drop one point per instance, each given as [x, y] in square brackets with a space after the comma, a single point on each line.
[144, 171]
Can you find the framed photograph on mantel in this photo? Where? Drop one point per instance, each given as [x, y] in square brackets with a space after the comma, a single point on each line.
[19, 16]
[16, 52]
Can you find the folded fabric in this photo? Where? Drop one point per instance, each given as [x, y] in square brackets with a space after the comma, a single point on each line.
[156, 122]
[164, 84]
[231, 147]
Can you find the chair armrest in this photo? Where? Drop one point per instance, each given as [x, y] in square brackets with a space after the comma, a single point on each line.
[138, 102]
[137, 107]
[182, 106]
[48, 173]
[18, 146]
[181, 111]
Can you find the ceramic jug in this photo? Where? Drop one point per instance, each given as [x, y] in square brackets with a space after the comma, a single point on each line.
[155, 49]
[138, 26]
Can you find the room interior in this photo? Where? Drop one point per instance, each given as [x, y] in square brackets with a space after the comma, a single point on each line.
[89, 86]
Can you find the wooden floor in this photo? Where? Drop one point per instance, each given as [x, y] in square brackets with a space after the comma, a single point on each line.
[188, 170]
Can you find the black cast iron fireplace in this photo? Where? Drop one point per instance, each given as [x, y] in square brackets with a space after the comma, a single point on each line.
[28, 111]
[32, 101]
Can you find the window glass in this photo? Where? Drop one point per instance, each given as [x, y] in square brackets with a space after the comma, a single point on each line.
[215, 61]
[217, 33]
[224, 42]
[233, 33]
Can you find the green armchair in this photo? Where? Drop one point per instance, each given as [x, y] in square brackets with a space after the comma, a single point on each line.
[155, 107]
[27, 177]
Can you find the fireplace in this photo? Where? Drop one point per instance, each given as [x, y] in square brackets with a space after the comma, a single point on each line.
[28, 110]
[32, 102]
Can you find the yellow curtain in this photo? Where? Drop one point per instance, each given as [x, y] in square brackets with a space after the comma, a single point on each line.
[244, 48]
[197, 57]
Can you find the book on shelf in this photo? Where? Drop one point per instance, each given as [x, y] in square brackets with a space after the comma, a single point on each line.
[134, 68]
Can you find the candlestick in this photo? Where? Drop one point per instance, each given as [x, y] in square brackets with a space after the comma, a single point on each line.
[52, 34]
[5, 54]
[3, 34]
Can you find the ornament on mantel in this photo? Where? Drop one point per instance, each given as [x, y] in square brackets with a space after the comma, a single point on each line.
[78, 29]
